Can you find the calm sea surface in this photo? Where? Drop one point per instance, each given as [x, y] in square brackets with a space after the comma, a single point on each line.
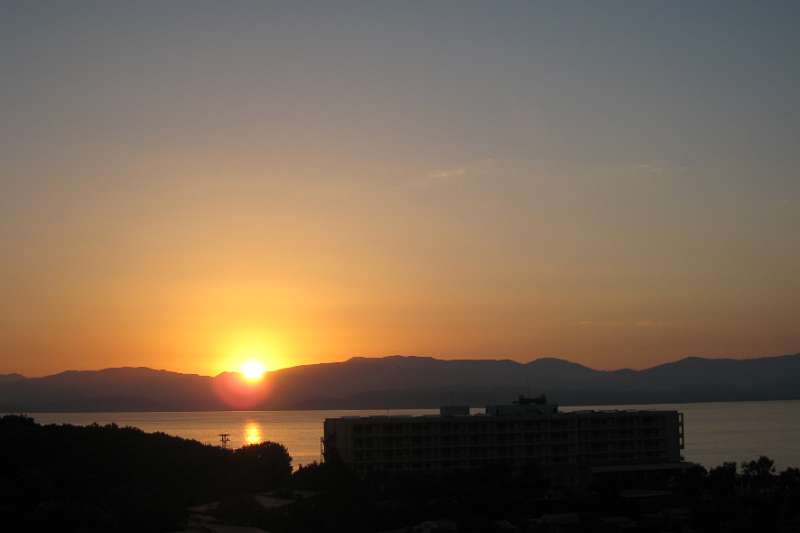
[715, 432]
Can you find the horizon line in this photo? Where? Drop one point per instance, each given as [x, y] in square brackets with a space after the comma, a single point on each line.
[390, 356]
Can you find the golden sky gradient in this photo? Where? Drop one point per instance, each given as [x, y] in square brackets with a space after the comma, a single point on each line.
[187, 192]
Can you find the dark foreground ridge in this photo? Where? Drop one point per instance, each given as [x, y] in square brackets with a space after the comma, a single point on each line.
[410, 382]
[93, 479]
[108, 478]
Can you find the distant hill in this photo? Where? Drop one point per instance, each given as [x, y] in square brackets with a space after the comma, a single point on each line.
[410, 382]
[113, 389]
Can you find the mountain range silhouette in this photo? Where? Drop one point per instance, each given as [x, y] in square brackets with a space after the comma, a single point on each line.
[411, 382]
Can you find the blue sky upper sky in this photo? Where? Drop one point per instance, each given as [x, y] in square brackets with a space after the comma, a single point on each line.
[186, 184]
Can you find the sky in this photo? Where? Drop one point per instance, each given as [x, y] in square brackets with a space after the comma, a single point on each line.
[186, 185]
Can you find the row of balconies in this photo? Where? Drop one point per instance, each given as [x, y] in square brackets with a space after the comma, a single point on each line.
[494, 430]
[481, 425]
[598, 458]
[583, 436]
[429, 442]
[506, 451]
[476, 429]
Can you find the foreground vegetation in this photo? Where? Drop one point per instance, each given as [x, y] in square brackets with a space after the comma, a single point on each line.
[108, 478]
[750, 497]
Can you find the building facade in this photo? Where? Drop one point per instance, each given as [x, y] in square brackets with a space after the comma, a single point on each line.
[519, 434]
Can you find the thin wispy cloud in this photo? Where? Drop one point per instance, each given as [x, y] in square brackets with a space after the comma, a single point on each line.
[455, 172]
[447, 173]
[651, 168]
[643, 323]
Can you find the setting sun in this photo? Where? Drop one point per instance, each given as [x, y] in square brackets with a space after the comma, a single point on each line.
[252, 370]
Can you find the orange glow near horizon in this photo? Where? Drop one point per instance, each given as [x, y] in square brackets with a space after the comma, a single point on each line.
[252, 370]
[299, 194]
[239, 392]
[251, 352]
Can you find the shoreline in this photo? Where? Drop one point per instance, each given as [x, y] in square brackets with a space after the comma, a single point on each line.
[390, 409]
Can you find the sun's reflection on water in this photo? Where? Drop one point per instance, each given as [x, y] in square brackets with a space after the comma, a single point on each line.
[253, 433]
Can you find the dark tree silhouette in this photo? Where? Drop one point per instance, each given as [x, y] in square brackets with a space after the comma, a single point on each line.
[107, 478]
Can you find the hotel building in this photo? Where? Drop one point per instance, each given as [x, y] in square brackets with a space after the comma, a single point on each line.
[526, 432]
